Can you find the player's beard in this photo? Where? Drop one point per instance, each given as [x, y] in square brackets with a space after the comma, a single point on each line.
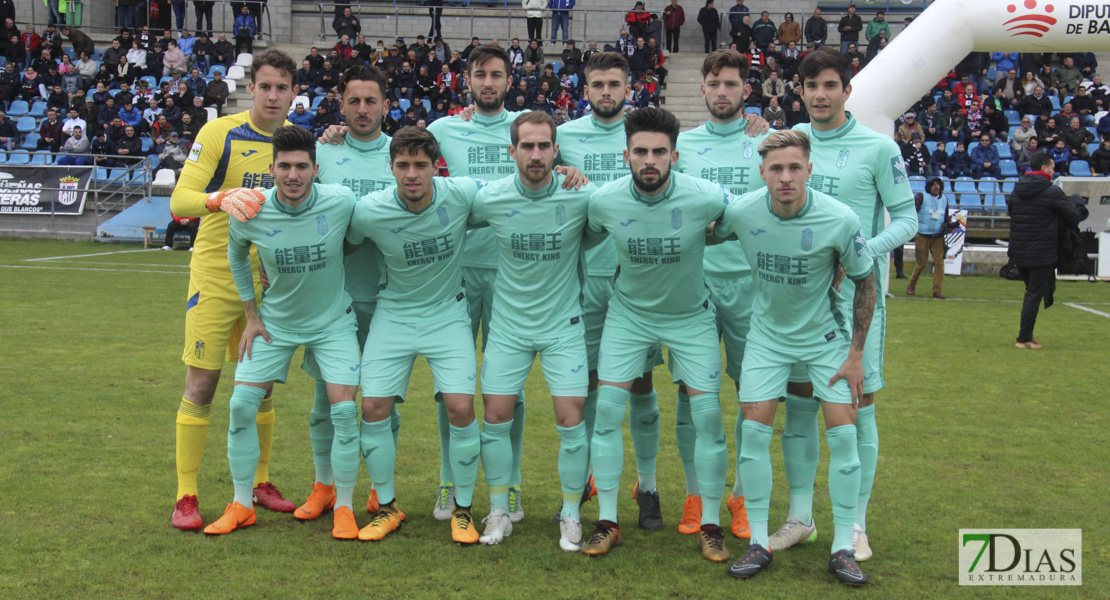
[496, 105]
[607, 114]
[726, 114]
[650, 188]
[527, 174]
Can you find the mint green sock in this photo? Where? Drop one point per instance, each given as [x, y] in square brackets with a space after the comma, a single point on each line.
[589, 413]
[395, 424]
[320, 433]
[497, 462]
[466, 446]
[573, 465]
[516, 438]
[755, 463]
[844, 482]
[686, 437]
[607, 449]
[380, 456]
[445, 472]
[345, 448]
[344, 496]
[710, 454]
[801, 452]
[643, 422]
[242, 441]
[867, 434]
[738, 434]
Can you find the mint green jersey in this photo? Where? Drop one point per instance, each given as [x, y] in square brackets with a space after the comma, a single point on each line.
[480, 149]
[539, 241]
[794, 261]
[422, 251]
[363, 167]
[660, 242]
[724, 154]
[864, 170]
[596, 149]
[301, 249]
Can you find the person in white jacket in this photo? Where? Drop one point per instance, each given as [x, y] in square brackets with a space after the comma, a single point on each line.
[534, 13]
[137, 56]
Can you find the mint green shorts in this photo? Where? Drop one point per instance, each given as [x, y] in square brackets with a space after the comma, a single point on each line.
[508, 360]
[392, 348]
[767, 369]
[596, 293]
[364, 311]
[628, 342]
[873, 380]
[478, 284]
[337, 349]
[732, 296]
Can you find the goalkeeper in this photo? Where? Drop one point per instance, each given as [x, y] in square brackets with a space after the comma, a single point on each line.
[231, 155]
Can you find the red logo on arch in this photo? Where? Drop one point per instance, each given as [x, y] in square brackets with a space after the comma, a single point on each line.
[1033, 24]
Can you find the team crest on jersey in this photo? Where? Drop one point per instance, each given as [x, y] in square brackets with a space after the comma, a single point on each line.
[842, 158]
[441, 214]
[807, 239]
[898, 169]
[198, 350]
[676, 218]
[747, 149]
[560, 214]
[322, 224]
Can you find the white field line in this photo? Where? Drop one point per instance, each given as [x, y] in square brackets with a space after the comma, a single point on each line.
[94, 254]
[1090, 310]
[90, 269]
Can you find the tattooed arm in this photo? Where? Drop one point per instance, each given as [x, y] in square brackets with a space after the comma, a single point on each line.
[863, 307]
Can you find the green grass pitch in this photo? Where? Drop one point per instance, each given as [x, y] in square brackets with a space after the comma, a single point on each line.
[973, 434]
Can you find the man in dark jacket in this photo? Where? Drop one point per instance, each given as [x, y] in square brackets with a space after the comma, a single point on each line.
[1038, 210]
[817, 30]
[80, 40]
[850, 26]
[710, 22]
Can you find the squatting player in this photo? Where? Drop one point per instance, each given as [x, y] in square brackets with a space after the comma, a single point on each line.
[720, 151]
[657, 220]
[298, 234]
[419, 225]
[231, 154]
[864, 170]
[796, 239]
[538, 229]
[361, 163]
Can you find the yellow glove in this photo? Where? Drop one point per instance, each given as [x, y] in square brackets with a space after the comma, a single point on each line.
[241, 203]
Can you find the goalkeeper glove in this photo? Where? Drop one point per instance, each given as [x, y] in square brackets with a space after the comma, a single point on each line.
[241, 203]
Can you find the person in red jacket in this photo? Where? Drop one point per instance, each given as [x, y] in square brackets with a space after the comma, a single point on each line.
[177, 224]
[673, 18]
[637, 19]
[50, 132]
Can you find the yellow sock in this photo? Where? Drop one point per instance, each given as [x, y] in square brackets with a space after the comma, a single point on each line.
[265, 421]
[192, 435]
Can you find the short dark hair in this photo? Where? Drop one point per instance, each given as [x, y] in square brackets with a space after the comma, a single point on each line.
[535, 117]
[363, 73]
[651, 119]
[604, 61]
[725, 59]
[485, 52]
[292, 138]
[276, 59]
[410, 140]
[1039, 161]
[826, 57]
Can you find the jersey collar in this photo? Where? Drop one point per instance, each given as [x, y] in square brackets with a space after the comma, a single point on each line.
[300, 208]
[837, 133]
[371, 146]
[726, 129]
[540, 194]
[653, 200]
[497, 119]
[405, 207]
[618, 124]
[810, 197]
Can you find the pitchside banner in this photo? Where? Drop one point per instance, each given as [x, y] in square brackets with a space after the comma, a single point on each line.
[1021, 557]
[43, 190]
[954, 240]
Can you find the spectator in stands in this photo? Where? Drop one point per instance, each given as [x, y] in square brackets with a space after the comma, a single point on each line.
[86, 68]
[773, 87]
[560, 18]
[984, 159]
[223, 53]
[146, 39]
[103, 149]
[995, 123]
[172, 153]
[795, 113]
[30, 86]
[1029, 83]
[877, 26]
[1024, 157]
[1012, 90]
[946, 104]
[129, 149]
[1076, 138]
[932, 225]
[636, 20]
[74, 120]
[202, 9]
[245, 29]
[50, 132]
[197, 114]
[641, 97]
[534, 54]
[673, 19]
[177, 224]
[322, 120]
[174, 60]
[9, 135]
[76, 150]
[131, 115]
[1084, 105]
[405, 82]
[160, 130]
[774, 110]
[187, 43]
[572, 57]
[917, 157]
[435, 14]
[850, 26]
[742, 30]
[301, 117]
[1048, 131]
[150, 114]
[112, 54]
[31, 41]
[1100, 159]
[817, 29]
[854, 53]
[938, 161]
[343, 48]
[1038, 211]
[346, 24]
[106, 112]
[80, 40]
[908, 129]
[1103, 127]
[172, 111]
[764, 31]
[959, 164]
[1066, 78]
[196, 84]
[307, 80]
[710, 22]
[217, 92]
[57, 99]
[1022, 134]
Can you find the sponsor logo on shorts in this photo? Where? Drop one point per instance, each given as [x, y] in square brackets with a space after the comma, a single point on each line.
[198, 350]
[715, 374]
[366, 453]
[574, 320]
[830, 336]
[577, 369]
[460, 297]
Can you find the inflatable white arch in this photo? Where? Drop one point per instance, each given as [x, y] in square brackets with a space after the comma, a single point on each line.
[949, 29]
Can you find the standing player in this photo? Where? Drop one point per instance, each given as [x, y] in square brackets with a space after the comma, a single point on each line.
[298, 235]
[230, 154]
[419, 225]
[657, 221]
[538, 229]
[796, 239]
[864, 170]
[595, 144]
[720, 151]
[361, 163]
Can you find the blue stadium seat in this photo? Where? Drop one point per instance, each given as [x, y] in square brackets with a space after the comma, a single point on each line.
[1008, 168]
[140, 179]
[1013, 128]
[18, 108]
[18, 158]
[70, 52]
[222, 69]
[950, 147]
[100, 175]
[427, 104]
[1055, 102]
[556, 66]
[1008, 185]
[951, 201]
[1004, 150]
[989, 189]
[574, 79]
[931, 147]
[1092, 147]
[31, 141]
[316, 102]
[118, 176]
[1079, 168]
[113, 91]
[148, 144]
[404, 103]
[917, 184]
[150, 81]
[1067, 99]
[154, 161]
[40, 158]
[3, 60]
[26, 124]
[1094, 131]
[1012, 117]
[969, 195]
[753, 110]
[38, 110]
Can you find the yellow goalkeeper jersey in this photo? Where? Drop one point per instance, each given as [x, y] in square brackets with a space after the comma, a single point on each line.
[230, 152]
